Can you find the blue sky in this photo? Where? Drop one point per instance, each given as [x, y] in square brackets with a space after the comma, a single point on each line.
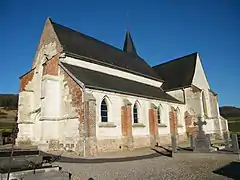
[161, 30]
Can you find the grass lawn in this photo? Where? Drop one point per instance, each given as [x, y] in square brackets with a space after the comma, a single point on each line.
[6, 125]
[233, 119]
[234, 124]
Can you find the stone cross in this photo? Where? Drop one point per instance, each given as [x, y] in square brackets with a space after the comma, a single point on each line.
[200, 124]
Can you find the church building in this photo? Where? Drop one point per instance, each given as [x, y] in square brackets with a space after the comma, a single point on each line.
[86, 96]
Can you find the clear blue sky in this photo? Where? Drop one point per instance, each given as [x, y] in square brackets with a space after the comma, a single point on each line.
[161, 30]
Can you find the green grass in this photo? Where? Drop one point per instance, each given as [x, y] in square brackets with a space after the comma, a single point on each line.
[6, 125]
[233, 119]
[234, 127]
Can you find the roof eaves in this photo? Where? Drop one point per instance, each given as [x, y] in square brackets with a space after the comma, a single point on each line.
[214, 93]
[177, 88]
[73, 55]
[133, 94]
[175, 59]
[81, 84]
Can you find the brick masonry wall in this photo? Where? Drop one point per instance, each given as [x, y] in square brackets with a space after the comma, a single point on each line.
[126, 118]
[189, 120]
[153, 126]
[50, 67]
[173, 121]
[25, 80]
[76, 97]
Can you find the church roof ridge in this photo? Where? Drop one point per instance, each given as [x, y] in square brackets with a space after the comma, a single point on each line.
[80, 44]
[177, 73]
[175, 59]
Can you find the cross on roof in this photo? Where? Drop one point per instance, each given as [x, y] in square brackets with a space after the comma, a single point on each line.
[200, 124]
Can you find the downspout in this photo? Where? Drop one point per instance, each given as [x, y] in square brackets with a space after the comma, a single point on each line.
[84, 122]
[184, 96]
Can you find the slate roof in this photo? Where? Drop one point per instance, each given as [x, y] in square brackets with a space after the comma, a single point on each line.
[77, 44]
[177, 73]
[101, 81]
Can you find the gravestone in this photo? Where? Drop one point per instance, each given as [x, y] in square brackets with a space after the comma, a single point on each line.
[202, 143]
[235, 144]
[208, 138]
[1, 139]
[29, 164]
[174, 143]
[192, 141]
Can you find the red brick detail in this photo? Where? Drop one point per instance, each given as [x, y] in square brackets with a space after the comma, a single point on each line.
[189, 120]
[25, 80]
[153, 124]
[51, 66]
[48, 35]
[126, 116]
[76, 94]
[173, 121]
[195, 89]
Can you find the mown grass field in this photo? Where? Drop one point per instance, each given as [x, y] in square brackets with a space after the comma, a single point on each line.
[6, 125]
[234, 124]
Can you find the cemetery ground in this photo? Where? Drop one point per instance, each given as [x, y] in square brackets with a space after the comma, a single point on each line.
[186, 166]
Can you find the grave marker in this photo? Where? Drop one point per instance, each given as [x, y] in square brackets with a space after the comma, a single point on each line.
[235, 144]
[202, 143]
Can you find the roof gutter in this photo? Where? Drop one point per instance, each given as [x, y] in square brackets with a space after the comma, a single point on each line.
[133, 94]
[82, 85]
[177, 88]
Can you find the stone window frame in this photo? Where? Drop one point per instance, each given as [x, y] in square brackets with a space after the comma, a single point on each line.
[108, 123]
[160, 111]
[138, 113]
[107, 104]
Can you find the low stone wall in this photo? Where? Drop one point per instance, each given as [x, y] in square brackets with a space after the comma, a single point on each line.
[164, 140]
[141, 141]
[108, 145]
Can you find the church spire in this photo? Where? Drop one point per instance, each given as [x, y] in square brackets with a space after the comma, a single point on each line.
[129, 45]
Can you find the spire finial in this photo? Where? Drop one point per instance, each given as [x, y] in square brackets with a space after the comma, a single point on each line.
[129, 45]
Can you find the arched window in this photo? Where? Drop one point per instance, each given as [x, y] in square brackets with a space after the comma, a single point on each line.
[104, 111]
[136, 113]
[159, 115]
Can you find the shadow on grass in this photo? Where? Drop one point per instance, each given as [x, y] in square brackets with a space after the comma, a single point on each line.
[230, 170]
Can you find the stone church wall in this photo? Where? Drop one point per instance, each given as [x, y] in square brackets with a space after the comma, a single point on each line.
[110, 136]
[178, 94]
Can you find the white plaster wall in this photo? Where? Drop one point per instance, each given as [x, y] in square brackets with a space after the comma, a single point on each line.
[193, 101]
[24, 106]
[208, 102]
[199, 78]
[178, 94]
[111, 71]
[116, 102]
[50, 130]
[25, 132]
[51, 101]
[181, 120]
[68, 130]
